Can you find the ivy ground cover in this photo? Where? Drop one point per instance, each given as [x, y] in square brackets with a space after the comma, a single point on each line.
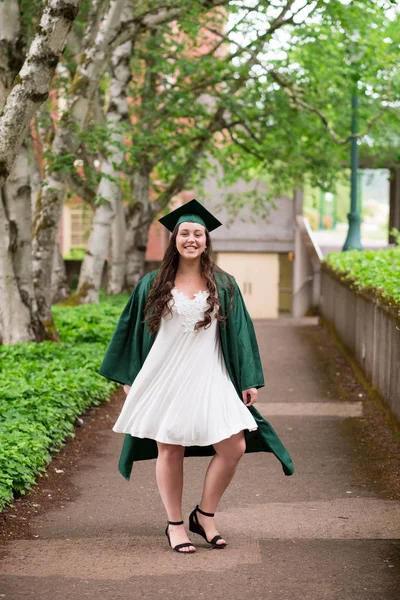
[376, 271]
[45, 387]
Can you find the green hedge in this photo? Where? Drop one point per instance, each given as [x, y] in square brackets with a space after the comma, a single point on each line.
[376, 271]
[45, 387]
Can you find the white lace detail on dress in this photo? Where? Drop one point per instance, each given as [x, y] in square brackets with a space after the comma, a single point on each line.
[191, 309]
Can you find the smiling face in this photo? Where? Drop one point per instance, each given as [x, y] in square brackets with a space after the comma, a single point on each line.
[191, 240]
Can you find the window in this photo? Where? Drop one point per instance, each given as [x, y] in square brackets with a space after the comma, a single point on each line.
[81, 221]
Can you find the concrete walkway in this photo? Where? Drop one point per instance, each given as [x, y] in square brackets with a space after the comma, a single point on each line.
[329, 532]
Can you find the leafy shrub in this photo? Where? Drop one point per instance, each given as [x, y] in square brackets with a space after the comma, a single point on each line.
[45, 387]
[89, 322]
[376, 271]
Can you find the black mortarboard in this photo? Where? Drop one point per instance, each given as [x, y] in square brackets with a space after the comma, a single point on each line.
[191, 212]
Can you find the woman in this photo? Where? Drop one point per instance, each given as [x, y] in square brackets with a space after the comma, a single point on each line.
[186, 352]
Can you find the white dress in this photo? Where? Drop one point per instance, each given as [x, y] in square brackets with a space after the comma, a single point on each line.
[183, 393]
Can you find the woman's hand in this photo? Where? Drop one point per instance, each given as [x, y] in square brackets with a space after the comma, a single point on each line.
[126, 389]
[249, 396]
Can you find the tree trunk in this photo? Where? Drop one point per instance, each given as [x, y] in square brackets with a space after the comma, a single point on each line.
[32, 84]
[66, 142]
[14, 314]
[30, 89]
[99, 239]
[12, 48]
[35, 180]
[117, 262]
[59, 283]
[18, 309]
[19, 321]
[109, 191]
[17, 194]
[137, 234]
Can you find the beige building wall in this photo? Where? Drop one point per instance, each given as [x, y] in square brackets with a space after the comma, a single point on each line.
[257, 274]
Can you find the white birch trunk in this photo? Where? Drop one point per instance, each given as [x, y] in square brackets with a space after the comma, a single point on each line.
[83, 87]
[36, 183]
[117, 262]
[11, 46]
[18, 310]
[14, 314]
[17, 194]
[31, 87]
[109, 192]
[98, 243]
[136, 241]
[59, 282]
[19, 321]
[137, 234]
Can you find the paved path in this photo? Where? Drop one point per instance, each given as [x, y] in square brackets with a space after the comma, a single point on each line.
[330, 532]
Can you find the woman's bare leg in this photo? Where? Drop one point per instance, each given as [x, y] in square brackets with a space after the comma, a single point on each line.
[219, 474]
[169, 475]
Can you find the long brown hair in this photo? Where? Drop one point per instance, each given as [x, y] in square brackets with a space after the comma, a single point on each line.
[158, 301]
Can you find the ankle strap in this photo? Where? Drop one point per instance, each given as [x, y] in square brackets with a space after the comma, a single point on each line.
[175, 522]
[204, 513]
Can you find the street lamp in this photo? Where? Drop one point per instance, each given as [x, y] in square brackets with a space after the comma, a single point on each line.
[353, 239]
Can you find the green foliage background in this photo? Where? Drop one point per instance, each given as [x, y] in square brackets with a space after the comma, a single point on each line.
[376, 271]
[45, 387]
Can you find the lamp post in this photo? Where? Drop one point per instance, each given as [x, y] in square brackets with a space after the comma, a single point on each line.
[359, 190]
[353, 239]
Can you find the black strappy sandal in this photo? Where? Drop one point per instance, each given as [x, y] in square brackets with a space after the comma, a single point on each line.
[178, 546]
[195, 527]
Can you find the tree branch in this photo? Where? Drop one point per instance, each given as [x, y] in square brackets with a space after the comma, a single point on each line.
[152, 18]
[241, 144]
[243, 124]
[253, 48]
[290, 88]
[290, 91]
[226, 36]
[81, 189]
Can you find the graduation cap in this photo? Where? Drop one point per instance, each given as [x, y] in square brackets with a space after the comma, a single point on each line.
[191, 212]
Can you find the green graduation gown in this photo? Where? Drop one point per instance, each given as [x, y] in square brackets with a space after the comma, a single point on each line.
[131, 344]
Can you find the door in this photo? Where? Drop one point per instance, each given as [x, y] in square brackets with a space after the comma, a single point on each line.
[257, 275]
[285, 282]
